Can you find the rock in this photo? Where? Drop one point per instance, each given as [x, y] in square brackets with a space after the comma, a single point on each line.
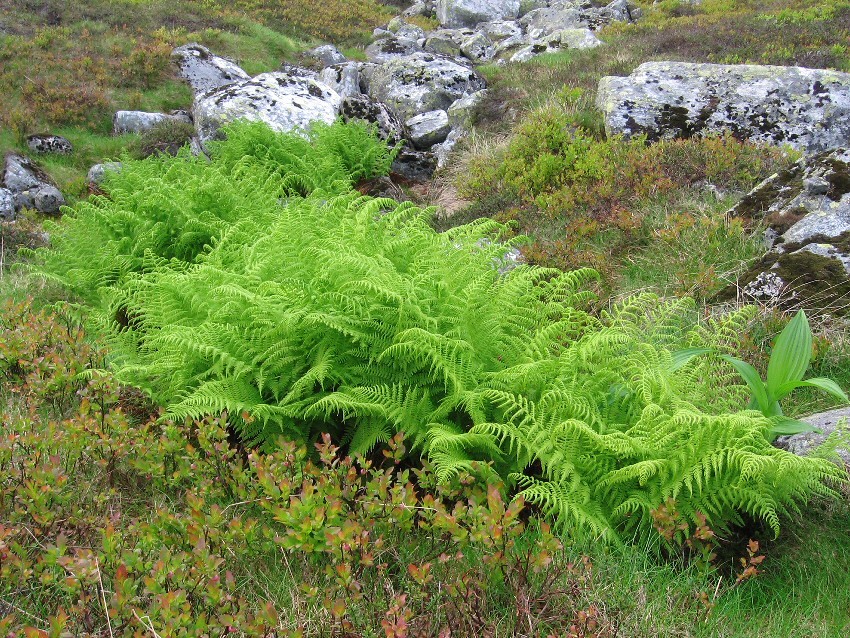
[443, 43]
[422, 82]
[30, 186]
[477, 48]
[428, 129]
[416, 166]
[204, 70]
[424, 9]
[462, 112]
[542, 22]
[49, 144]
[531, 51]
[342, 78]
[525, 6]
[442, 151]
[21, 174]
[140, 121]
[48, 199]
[327, 55]
[97, 172]
[284, 101]
[402, 29]
[807, 212]
[832, 422]
[360, 107]
[457, 13]
[573, 39]
[391, 48]
[808, 109]
[7, 205]
[499, 30]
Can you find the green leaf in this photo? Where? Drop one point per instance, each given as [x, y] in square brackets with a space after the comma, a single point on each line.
[785, 426]
[753, 380]
[681, 358]
[822, 383]
[791, 354]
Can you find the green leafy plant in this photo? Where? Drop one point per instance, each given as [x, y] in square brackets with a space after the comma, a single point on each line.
[788, 362]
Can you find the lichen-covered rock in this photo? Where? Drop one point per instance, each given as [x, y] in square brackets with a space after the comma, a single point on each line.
[7, 205]
[391, 48]
[443, 42]
[424, 9]
[477, 48]
[98, 172]
[808, 109]
[468, 13]
[427, 129]
[284, 101]
[573, 39]
[49, 144]
[21, 174]
[326, 55]
[140, 121]
[422, 82]
[204, 70]
[402, 29]
[541, 22]
[462, 112]
[833, 422]
[499, 30]
[342, 78]
[807, 213]
[361, 107]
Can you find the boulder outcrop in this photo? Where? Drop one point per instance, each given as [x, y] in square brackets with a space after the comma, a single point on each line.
[808, 109]
[807, 213]
[284, 101]
[204, 70]
[29, 186]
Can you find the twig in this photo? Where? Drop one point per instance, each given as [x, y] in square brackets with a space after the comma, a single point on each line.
[25, 613]
[254, 500]
[2, 252]
[146, 621]
[103, 598]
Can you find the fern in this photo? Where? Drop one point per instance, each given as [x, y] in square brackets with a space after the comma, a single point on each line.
[259, 284]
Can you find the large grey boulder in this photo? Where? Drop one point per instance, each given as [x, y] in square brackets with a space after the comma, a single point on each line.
[49, 144]
[361, 107]
[284, 101]
[469, 13]
[7, 205]
[140, 121]
[807, 213]
[808, 109]
[204, 70]
[422, 82]
[834, 423]
[428, 129]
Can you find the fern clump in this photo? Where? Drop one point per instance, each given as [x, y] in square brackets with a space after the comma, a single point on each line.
[329, 312]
